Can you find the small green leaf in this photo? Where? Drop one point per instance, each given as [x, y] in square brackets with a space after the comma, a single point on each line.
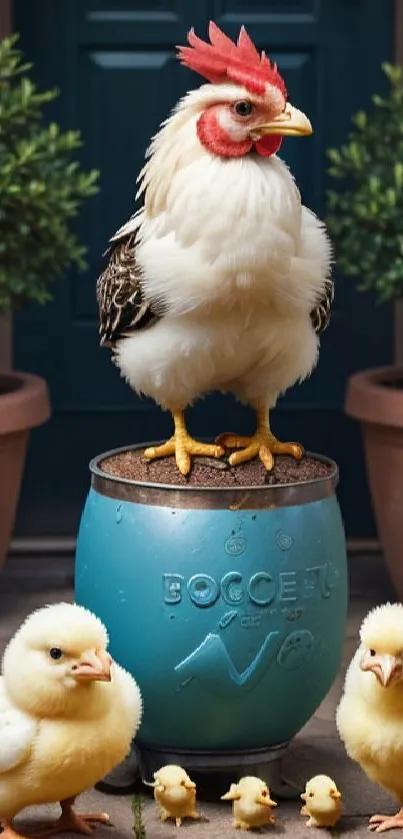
[360, 119]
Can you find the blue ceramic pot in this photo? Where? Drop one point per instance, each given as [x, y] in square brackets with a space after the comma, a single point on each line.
[227, 605]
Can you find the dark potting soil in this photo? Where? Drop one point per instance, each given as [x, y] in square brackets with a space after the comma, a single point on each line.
[9, 384]
[396, 384]
[207, 472]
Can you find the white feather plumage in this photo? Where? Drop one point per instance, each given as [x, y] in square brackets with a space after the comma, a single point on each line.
[238, 264]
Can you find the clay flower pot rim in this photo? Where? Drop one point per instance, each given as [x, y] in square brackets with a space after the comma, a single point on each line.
[25, 405]
[209, 497]
[370, 401]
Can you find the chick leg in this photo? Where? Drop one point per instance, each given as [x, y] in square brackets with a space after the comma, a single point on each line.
[74, 822]
[311, 822]
[262, 444]
[380, 823]
[182, 446]
[8, 831]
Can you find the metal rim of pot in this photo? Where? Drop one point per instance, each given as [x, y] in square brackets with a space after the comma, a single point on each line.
[212, 498]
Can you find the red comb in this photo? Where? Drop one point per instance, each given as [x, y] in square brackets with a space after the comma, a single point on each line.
[224, 61]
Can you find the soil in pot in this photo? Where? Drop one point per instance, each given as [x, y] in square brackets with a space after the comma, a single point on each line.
[208, 472]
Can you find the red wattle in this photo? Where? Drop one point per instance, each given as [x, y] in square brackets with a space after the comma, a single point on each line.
[268, 145]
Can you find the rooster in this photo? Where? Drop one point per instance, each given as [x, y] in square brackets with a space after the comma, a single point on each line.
[221, 280]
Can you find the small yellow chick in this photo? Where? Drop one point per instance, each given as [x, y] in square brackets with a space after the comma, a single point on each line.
[68, 714]
[323, 802]
[370, 714]
[252, 805]
[175, 793]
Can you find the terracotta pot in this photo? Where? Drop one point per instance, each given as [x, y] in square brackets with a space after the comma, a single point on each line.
[24, 404]
[376, 398]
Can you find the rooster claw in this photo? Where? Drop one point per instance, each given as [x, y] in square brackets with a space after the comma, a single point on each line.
[262, 444]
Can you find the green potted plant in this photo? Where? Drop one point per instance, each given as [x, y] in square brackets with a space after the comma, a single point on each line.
[41, 190]
[365, 220]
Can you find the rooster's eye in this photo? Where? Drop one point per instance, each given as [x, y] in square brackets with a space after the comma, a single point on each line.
[243, 109]
[55, 653]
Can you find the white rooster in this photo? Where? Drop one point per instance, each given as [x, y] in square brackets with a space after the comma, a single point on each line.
[221, 280]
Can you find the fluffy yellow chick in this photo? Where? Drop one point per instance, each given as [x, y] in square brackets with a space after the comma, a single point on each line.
[252, 805]
[370, 714]
[175, 793]
[68, 714]
[322, 802]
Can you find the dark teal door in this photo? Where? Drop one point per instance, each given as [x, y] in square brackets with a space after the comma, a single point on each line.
[114, 63]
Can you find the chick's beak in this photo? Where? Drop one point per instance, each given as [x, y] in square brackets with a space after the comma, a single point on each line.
[189, 785]
[384, 667]
[335, 794]
[291, 123]
[266, 801]
[93, 666]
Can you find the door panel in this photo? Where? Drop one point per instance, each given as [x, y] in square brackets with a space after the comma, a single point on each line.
[114, 62]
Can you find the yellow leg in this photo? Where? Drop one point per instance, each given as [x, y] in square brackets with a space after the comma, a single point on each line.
[183, 446]
[262, 444]
[73, 822]
[9, 832]
[380, 823]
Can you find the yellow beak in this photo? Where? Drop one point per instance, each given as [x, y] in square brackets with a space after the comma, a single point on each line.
[266, 801]
[384, 667]
[291, 123]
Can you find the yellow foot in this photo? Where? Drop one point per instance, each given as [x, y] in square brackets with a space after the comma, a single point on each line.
[70, 821]
[380, 823]
[183, 447]
[263, 444]
[8, 832]
[178, 822]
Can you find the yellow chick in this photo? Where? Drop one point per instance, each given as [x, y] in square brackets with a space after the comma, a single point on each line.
[370, 714]
[68, 714]
[175, 793]
[252, 805]
[323, 802]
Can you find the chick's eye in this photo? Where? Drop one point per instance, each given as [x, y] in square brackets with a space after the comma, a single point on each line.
[311, 795]
[55, 653]
[243, 108]
[372, 652]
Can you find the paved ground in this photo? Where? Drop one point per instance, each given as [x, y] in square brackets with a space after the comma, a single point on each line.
[27, 583]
